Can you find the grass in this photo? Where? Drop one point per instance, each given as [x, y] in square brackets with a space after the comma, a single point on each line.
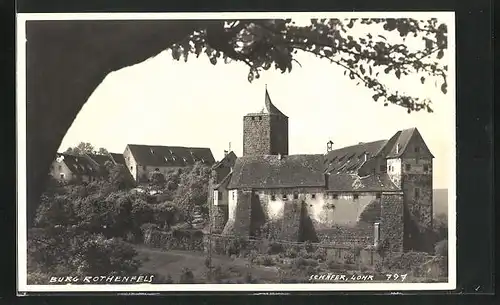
[174, 261]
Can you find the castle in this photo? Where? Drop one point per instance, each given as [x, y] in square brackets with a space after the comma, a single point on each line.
[361, 194]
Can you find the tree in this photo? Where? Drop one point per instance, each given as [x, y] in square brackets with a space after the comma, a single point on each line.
[93, 49]
[192, 191]
[102, 151]
[80, 149]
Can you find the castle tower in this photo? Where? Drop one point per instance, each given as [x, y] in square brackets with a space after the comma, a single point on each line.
[265, 133]
[409, 165]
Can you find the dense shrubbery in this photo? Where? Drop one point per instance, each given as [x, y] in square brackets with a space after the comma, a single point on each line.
[61, 251]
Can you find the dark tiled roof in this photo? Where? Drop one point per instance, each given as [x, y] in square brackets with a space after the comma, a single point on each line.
[353, 182]
[224, 182]
[100, 159]
[81, 165]
[402, 138]
[270, 172]
[118, 158]
[349, 159]
[229, 159]
[271, 109]
[153, 155]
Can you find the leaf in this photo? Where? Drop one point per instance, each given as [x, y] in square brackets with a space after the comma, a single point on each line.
[444, 88]
[382, 37]
[398, 74]
[370, 69]
[440, 54]
[422, 79]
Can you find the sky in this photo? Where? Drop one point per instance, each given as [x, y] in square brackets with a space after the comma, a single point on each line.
[197, 104]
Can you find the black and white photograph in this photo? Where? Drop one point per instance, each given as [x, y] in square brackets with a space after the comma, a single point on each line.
[236, 152]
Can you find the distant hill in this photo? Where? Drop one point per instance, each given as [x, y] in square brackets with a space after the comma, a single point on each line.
[440, 201]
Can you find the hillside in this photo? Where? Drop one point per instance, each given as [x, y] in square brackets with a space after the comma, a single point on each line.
[440, 201]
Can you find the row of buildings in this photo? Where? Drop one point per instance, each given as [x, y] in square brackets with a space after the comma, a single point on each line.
[381, 190]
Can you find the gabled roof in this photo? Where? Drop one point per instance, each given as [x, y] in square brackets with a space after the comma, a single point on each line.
[100, 159]
[118, 158]
[80, 165]
[269, 171]
[154, 155]
[349, 159]
[348, 182]
[403, 138]
[230, 158]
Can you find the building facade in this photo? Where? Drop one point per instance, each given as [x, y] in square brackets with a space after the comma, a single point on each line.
[361, 194]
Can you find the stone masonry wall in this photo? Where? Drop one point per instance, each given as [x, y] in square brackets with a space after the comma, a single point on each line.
[256, 135]
[392, 221]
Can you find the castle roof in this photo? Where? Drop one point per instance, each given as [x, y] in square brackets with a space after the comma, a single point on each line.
[353, 182]
[343, 169]
[349, 159]
[272, 171]
[269, 108]
[229, 159]
[161, 156]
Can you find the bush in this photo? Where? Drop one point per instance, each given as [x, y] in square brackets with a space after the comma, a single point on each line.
[320, 254]
[441, 248]
[291, 252]
[274, 248]
[187, 276]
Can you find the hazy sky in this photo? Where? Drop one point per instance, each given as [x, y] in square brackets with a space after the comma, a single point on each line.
[165, 102]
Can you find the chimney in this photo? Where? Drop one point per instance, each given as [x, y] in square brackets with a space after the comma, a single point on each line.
[397, 148]
[225, 153]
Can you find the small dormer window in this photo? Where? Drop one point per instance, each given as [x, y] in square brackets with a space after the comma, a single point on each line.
[152, 151]
[166, 159]
[397, 148]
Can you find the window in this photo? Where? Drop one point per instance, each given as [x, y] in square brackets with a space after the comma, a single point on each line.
[219, 195]
[62, 176]
[60, 167]
[383, 168]
[313, 196]
[355, 196]
[407, 167]
[157, 169]
[253, 118]
[273, 197]
[131, 168]
[417, 149]
[426, 167]
[378, 196]
[335, 196]
[295, 196]
[144, 167]
[284, 197]
[259, 118]
[417, 193]
[233, 195]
